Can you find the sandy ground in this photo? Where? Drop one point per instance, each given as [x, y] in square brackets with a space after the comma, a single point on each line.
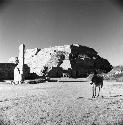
[67, 102]
[73, 88]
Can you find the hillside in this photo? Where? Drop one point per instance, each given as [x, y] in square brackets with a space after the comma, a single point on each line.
[115, 74]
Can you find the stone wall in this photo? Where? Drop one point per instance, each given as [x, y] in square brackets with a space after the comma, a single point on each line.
[7, 71]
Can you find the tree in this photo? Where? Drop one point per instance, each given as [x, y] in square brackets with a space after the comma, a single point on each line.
[86, 59]
[102, 64]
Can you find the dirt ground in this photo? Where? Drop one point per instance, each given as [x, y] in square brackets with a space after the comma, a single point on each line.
[67, 102]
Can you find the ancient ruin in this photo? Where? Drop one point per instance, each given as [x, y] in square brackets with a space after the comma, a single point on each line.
[74, 61]
[19, 69]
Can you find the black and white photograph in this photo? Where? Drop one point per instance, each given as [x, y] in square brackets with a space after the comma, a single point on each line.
[61, 62]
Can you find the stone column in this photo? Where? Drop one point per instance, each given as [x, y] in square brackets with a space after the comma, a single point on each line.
[19, 69]
[21, 60]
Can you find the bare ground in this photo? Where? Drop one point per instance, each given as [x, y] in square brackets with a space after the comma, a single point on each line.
[67, 102]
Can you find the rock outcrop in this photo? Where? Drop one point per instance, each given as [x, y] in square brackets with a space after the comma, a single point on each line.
[41, 61]
[76, 60]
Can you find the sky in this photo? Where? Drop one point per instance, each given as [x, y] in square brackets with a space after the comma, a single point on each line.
[44, 23]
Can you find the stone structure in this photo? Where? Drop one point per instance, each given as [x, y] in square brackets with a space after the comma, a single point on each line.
[74, 60]
[19, 69]
[7, 71]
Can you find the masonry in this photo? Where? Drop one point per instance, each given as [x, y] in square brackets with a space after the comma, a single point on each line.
[7, 71]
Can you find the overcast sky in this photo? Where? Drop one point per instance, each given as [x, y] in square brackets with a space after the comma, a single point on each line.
[40, 24]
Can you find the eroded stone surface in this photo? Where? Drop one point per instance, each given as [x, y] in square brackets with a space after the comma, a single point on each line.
[79, 60]
[38, 59]
[19, 69]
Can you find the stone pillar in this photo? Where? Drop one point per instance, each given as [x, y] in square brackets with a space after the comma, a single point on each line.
[21, 60]
[19, 69]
